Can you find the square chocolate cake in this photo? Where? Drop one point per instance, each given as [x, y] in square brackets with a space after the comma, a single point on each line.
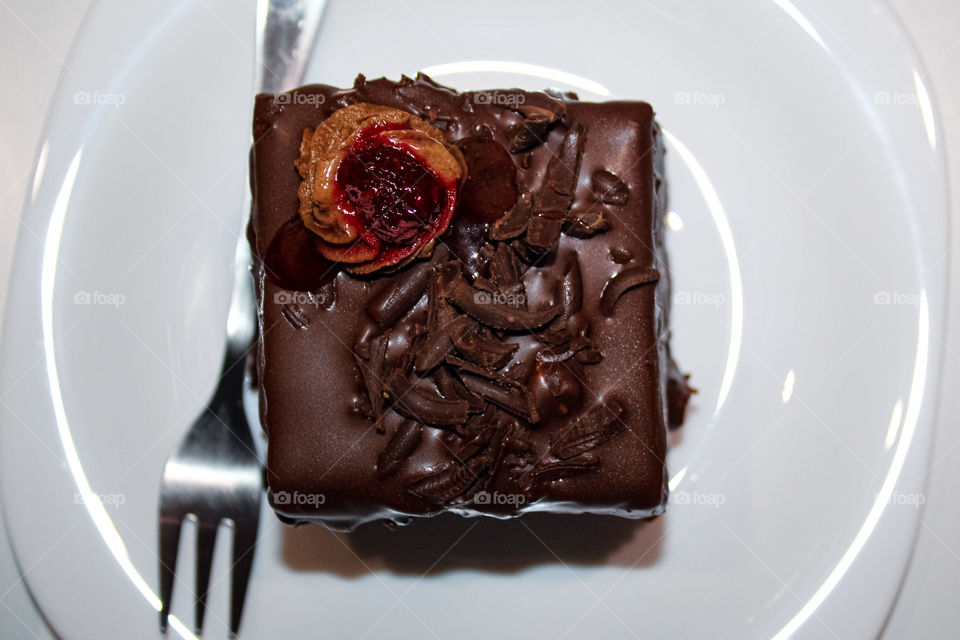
[463, 303]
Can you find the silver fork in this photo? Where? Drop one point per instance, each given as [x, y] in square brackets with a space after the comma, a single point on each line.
[215, 474]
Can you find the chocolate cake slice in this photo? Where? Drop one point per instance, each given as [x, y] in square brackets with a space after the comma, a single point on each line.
[463, 301]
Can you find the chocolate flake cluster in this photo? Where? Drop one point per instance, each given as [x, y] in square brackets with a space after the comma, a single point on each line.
[477, 362]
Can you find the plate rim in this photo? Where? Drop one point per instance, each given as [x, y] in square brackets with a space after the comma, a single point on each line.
[28, 265]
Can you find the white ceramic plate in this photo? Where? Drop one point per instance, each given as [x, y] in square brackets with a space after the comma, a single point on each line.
[809, 234]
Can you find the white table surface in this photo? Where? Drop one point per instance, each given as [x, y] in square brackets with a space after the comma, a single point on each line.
[35, 38]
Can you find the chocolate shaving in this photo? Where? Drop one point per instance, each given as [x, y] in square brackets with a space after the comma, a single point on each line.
[479, 282]
[479, 432]
[418, 403]
[517, 445]
[484, 350]
[559, 333]
[547, 472]
[361, 348]
[571, 287]
[447, 484]
[520, 403]
[483, 372]
[608, 188]
[536, 102]
[560, 178]
[295, 317]
[432, 350]
[399, 295]
[400, 447]
[498, 316]
[619, 283]
[445, 274]
[471, 463]
[439, 343]
[533, 131]
[439, 312]
[371, 370]
[496, 448]
[527, 254]
[514, 222]
[543, 230]
[453, 388]
[504, 270]
[620, 255]
[585, 224]
[588, 431]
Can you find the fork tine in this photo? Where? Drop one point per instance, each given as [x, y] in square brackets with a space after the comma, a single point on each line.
[244, 540]
[169, 544]
[206, 537]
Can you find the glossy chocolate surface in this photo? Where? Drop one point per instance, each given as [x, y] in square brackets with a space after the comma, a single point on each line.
[524, 366]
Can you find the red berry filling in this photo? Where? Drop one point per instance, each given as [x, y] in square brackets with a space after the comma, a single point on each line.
[396, 197]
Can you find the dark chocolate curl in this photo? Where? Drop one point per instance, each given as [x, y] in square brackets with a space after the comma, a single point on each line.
[447, 484]
[439, 343]
[560, 178]
[504, 270]
[588, 431]
[608, 188]
[499, 316]
[295, 316]
[453, 388]
[432, 350]
[485, 351]
[571, 287]
[514, 222]
[522, 406]
[483, 372]
[533, 130]
[547, 472]
[371, 369]
[397, 297]
[537, 102]
[543, 230]
[585, 224]
[619, 283]
[400, 447]
[417, 403]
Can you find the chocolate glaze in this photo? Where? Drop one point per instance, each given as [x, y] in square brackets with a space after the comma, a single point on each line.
[291, 260]
[526, 359]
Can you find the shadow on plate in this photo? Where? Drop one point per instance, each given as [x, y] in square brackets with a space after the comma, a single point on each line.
[450, 543]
